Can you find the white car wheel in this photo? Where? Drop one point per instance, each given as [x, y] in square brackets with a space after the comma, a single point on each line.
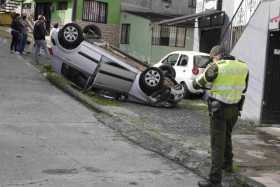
[70, 33]
[70, 36]
[152, 78]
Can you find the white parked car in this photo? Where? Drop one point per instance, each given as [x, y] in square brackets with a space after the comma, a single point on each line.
[188, 65]
[99, 66]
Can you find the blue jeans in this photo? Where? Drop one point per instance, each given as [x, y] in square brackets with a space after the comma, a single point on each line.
[15, 40]
[23, 41]
[37, 46]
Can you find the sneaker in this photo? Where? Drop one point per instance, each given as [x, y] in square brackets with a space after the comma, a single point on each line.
[12, 52]
[17, 53]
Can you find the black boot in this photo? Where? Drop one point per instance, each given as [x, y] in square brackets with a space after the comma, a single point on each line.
[208, 184]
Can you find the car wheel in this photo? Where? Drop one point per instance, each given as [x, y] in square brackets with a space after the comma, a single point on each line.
[168, 70]
[187, 93]
[151, 80]
[70, 36]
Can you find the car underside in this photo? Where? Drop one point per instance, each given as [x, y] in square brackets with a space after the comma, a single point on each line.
[98, 66]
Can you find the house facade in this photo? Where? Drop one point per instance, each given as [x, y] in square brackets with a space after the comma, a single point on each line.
[142, 38]
[103, 13]
[250, 31]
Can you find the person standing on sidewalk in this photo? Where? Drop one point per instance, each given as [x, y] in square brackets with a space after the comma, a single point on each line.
[15, 32]
[39, 34]
[24, 32]
[228, 80]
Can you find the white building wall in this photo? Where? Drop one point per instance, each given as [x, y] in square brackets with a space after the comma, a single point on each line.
[251, 48]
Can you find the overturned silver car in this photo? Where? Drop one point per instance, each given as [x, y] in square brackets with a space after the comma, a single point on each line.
[99, 66]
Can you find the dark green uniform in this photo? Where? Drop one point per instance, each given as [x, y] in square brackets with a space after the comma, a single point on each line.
[223, 116]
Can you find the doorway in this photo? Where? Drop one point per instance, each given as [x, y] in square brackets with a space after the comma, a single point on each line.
[45, 10]
[271, 100]
[208, 39]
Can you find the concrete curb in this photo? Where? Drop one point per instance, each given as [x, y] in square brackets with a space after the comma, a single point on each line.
[191, 159]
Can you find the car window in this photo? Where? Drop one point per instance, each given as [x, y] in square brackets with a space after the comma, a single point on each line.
[201, 61]
[183, 60]
[171, 59]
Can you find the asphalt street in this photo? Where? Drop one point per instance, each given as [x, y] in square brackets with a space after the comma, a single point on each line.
[49, 139]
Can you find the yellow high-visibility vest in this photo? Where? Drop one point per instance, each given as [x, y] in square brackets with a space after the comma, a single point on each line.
[230, 82]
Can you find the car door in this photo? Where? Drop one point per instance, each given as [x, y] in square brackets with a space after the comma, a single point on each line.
[84, 59]
[111, 75]
[182, 68]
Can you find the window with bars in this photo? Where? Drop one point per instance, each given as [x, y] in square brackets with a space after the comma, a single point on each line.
[169, 36]
[125, 33]
[95, 11]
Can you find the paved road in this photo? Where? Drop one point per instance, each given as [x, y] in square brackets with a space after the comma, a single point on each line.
[49, 139]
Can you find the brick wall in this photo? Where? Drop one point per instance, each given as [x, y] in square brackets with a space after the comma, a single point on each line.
[110, 32]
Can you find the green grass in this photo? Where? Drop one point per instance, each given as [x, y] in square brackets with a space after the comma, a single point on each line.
[61, 82]
[100, 100]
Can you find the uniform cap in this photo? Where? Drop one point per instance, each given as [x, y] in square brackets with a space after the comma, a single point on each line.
[217, 50]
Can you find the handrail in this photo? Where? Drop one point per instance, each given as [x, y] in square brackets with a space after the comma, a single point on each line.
[232, 33]
[231, 21]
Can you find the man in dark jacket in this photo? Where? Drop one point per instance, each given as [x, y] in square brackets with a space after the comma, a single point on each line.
[15, 32]
[39, 34]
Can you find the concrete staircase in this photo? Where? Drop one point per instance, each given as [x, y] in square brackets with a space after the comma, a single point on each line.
[9, 6]
[238, 23]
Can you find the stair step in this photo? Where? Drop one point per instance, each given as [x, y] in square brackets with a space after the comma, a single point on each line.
[13, 3]
[16, 1]
[12, 6]
[8, 9]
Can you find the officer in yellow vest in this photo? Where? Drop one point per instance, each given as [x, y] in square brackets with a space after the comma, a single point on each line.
[226, 82]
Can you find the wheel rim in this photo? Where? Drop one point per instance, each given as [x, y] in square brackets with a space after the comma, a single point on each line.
[71, 33]
[152, 78]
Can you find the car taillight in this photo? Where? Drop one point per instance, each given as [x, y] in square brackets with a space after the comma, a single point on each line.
[195, 70]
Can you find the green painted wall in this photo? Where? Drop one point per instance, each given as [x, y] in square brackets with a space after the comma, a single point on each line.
[114, 10]
[140, 37]
[62, 16]
[140, 44]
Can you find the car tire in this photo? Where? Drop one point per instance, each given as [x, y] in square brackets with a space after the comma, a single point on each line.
[70, 36]
[187, 93]
[168, 70]
[151, 80]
